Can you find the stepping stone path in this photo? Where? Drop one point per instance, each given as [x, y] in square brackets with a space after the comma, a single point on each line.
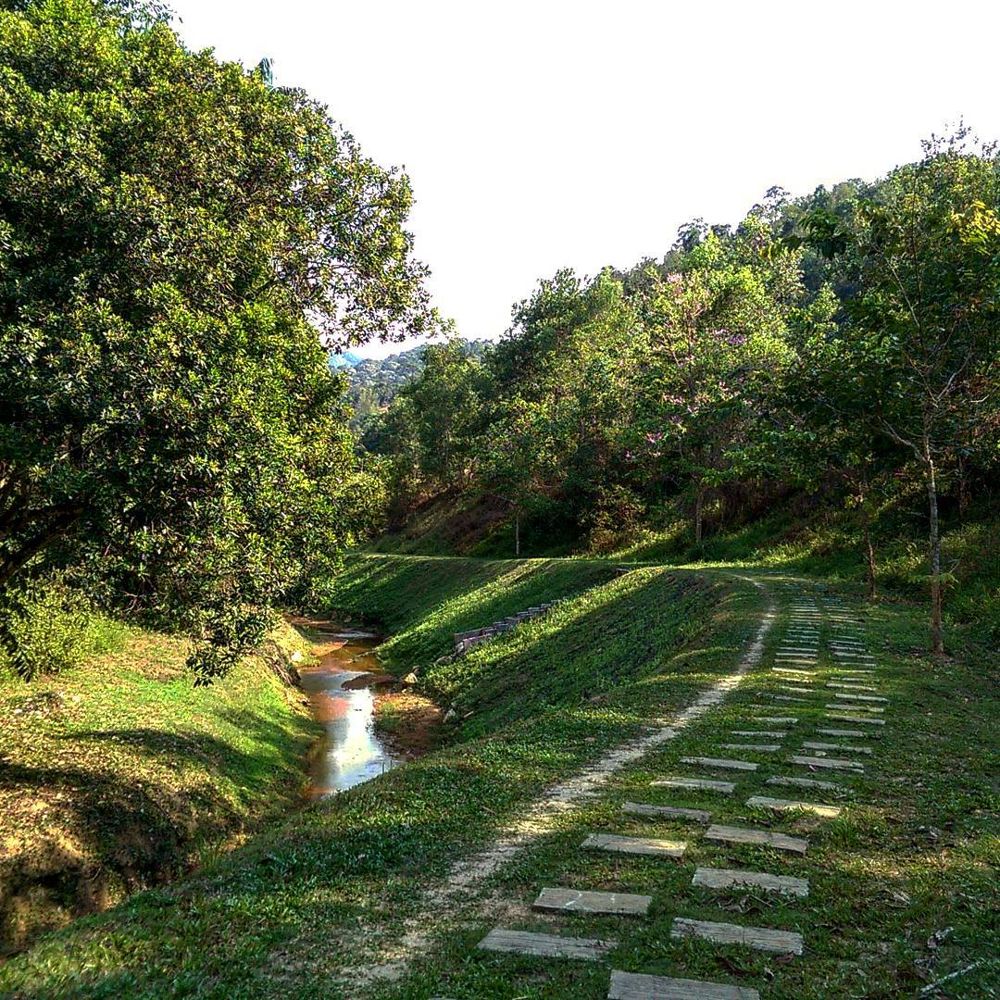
[728, 878]
[852, 673]
[546, 945]
[635, 845]
[574, 901]
[630, 986]
[760, 938]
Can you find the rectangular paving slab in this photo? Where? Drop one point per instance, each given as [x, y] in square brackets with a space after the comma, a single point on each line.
[759, 938]
[845, 732]
[793, 671]
[791, 697]
[758, 732]
[730, 878]
[633, 986]
[850, 696]
[808, 745]
[775, 718]
[830, 763]
[721, 762]
[856, 719]
[762, 838]
[846, 686]
[790, 805]
[666, 812]
[753, 747]
[790, 782]
[843, 707]
[635, 845]
[581, 901]
[702, 784]
[546, 945]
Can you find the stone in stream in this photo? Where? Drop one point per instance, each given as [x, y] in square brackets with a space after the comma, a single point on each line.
[576, 901]
[701, 784]
[840, 717]
[757, 732]
[633, 986]
[721, 762]
[761, 838]
[845, 696]
[667, 812]
[808, 745]
[729, 878]
[830, 763]
[789, 805]
[790, 782]
[635, 845]
[759, 938]
[546, 945]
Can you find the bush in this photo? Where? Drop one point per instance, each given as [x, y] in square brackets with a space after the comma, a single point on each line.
[48, 626]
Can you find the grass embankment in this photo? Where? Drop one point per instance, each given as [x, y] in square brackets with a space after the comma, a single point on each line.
[117, 774]
[284, 915]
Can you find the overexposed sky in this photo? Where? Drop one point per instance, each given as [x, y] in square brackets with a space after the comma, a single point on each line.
[548, 134]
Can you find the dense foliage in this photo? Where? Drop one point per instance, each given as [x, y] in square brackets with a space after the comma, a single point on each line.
[173, 232]
[841, 346]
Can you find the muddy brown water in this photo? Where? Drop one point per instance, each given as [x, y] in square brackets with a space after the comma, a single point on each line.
[350, 751]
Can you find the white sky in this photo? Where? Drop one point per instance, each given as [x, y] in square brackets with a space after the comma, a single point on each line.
[556, 133]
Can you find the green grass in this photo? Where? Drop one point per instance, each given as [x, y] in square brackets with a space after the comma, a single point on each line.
[118, 773]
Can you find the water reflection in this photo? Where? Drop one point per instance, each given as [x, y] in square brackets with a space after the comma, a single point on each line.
[350, 751]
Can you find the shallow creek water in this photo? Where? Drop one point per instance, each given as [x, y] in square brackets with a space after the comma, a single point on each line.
[350, 750]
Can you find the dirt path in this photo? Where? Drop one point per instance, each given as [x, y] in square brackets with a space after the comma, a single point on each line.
[445, 902]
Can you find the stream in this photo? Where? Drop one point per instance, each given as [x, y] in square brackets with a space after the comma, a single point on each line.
[350, 751]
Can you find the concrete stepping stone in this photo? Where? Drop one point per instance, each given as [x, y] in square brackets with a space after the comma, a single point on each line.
[759, 938]
[790, 720]
[546, 945]
[576, 901]
[793, 671]
[809, 745]
[757, 732]
[635, 845]
[840, 717]
[752, 747]
[789, 782]
[633, 986]
[790, 697]
[730, 878]
[796, 690]
[795, 650]
[844, 732]
[847, 696]
[830, 763]
[848, 686]
[701, 784]
[667, 812]
[844, 707]
[790, 805]
[721, 762]
[760, 838]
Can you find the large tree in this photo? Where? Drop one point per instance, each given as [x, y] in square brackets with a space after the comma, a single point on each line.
[175, 234]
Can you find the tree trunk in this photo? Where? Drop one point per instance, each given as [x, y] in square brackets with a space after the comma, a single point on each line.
[937, 639]
[870, 553]
[517, 535]
[699, 504]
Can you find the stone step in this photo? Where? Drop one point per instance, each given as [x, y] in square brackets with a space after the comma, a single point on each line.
[666, 812]
[762, 838]
[721, 762]
[856, 719]
[791, 697]
[795, 690]
[759, 938]
[757, 732]
[844, 707]
[582, 901]
[850, 672]
[546, 945]
[830, 763]
[633, 986]
[844, 695]
[793, 671]
[790, 782]
[775, 718]
[729, 878]
[845, 732]
[844, 686]
[702, 784]
[752, 747]
[635, 845]
[836, 746]
[790, 805]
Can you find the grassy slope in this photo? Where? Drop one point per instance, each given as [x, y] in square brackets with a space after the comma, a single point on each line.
[117, 772]
[280, 916]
